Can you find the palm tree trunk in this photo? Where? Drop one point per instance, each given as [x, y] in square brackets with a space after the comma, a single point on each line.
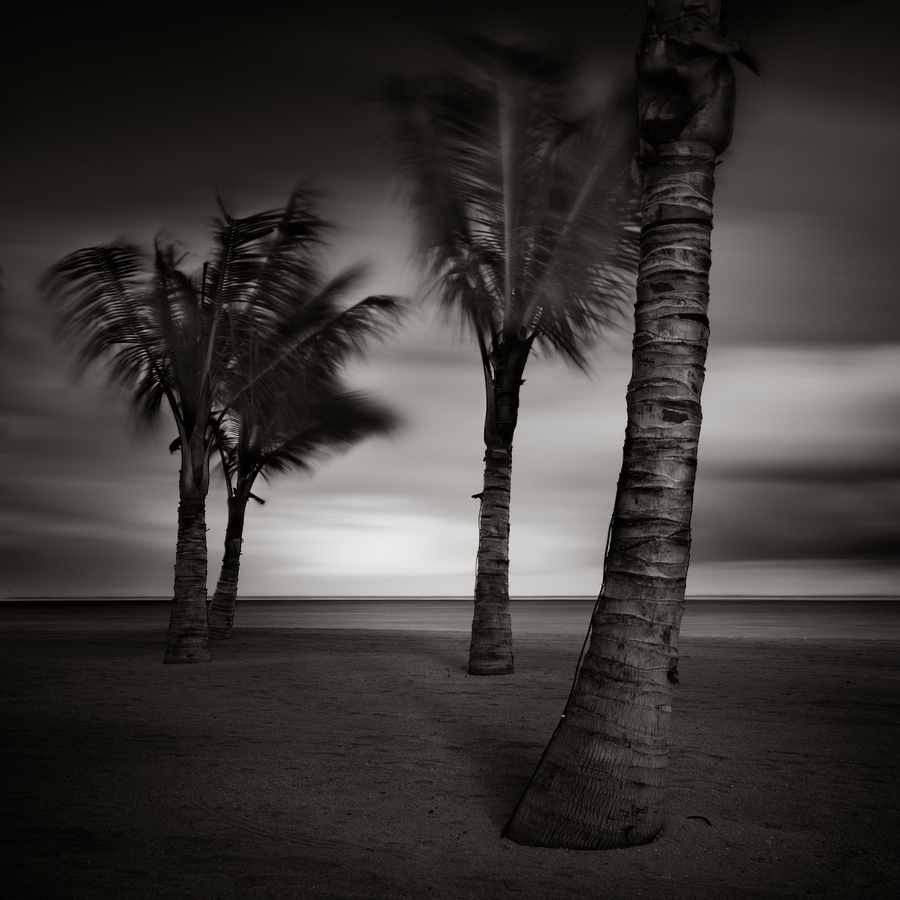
[187, 639]
[600, 782]
[221, 609]
[490, 651]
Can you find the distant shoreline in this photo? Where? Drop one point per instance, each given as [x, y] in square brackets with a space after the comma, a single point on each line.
[285, 598]
[830, 618]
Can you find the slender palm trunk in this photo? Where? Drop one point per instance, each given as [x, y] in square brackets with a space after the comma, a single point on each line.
[187, 639]
[221, 609]
[600, 782]
[491, 650]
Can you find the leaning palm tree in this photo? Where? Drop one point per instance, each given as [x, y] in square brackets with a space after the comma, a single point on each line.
[161, 335]
[306, 424]
[286, 406]
[526, 224]
[600, 781]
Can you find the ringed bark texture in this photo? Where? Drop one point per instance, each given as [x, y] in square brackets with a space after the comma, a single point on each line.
[600, 782]
[221, 609]
[187, 640]
[490, 651]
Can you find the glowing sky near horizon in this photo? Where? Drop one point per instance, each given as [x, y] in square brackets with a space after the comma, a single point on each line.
[798, 486]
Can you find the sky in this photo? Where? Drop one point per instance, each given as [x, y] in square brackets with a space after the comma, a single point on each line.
[128, 123]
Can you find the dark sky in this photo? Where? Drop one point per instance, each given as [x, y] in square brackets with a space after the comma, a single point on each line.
[128, 122]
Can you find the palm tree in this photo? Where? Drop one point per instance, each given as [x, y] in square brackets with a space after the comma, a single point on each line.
[310, 422]
[599, 783]
[159, 334]
[523, 209]
[287, 406]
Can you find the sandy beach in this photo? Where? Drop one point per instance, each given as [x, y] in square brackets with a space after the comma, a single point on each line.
[323, 763]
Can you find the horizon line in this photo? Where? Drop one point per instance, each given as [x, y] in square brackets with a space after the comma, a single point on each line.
[426, 597]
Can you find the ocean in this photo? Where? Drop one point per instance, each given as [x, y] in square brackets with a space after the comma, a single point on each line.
[815, 619]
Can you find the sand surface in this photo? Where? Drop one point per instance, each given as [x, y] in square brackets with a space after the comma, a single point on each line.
[368, 764]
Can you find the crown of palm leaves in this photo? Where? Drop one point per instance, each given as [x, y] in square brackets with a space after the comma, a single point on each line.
[256, 314]
[525, 209]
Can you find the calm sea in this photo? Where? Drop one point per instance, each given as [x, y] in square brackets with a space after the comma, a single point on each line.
[844, 618]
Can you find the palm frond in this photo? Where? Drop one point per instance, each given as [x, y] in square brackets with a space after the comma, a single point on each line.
[315, 344]
[317, 426]
[265, 258]
[107, 319]
[333, 341]
[233, 350]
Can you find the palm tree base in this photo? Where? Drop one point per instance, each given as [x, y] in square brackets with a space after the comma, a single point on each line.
[186, 655]
[187, 640]
[491, 649]
[582, 798]
[219, 635]
[599, 785]
[220, 626]
[491, 667]
[491, 656]
[536, 829]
